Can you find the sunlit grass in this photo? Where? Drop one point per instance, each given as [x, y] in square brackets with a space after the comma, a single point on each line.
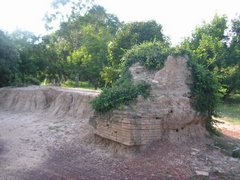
[73, 84]
[230, 110]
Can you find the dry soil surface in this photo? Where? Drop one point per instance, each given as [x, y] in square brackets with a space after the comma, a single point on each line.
[35, 145]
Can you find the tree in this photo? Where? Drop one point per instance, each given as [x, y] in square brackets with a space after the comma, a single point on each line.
[9, 61]
[232, 82]
[81, 44]
[208, 47]
[91, 57]
[31, 54]
[126, 37]
[65, 10]
[218, 51]
[132, 34]
[208, 42]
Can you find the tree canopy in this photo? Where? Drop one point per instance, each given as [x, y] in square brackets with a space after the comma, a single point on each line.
[132, 34]
[91, 44]
[216, 48]
[9, 60]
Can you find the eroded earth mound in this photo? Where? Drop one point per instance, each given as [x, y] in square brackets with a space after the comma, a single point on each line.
[54, 101]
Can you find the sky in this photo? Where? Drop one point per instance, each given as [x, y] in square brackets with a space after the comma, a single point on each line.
[178, 17]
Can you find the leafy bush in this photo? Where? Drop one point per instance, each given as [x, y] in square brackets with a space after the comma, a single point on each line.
[29, 80]
[121, 93]
[143, 89]
[150, 54]
[179, 51]
[110, 75]
[204, 89]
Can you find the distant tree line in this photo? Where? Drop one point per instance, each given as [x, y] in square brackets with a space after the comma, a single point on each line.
[89, 45]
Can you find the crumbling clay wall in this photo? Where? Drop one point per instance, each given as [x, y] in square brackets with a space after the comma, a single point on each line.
[54, 101]
[166, 115]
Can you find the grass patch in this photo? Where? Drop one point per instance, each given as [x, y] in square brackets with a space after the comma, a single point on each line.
[74, 84]
[230, 110]
[233, 99]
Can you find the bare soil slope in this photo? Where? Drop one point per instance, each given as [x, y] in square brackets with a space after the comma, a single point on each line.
[44, 134]
[36, 120]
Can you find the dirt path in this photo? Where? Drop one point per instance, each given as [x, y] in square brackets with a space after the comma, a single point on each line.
[35, 146]
[26, 139]
[228, 129]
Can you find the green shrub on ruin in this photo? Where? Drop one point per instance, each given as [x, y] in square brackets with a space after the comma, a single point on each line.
[152, 55]
[123, 92]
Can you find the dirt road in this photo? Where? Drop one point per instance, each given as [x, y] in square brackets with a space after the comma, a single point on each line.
[27, 139]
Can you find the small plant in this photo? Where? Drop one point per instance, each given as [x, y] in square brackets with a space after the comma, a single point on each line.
[179, 51]
[26, 81]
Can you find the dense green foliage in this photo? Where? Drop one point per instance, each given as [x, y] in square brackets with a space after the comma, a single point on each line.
[204, 93]
[81, 45]
[149, 54]
[218, 51]
[33, 59]
[123, 92]
[204, 90]
[9, 61]
[134, 34]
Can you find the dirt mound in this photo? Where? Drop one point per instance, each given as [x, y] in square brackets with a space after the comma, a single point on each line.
[36, 120]
[52, 100]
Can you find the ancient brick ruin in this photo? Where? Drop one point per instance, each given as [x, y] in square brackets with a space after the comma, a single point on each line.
[166, 115]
